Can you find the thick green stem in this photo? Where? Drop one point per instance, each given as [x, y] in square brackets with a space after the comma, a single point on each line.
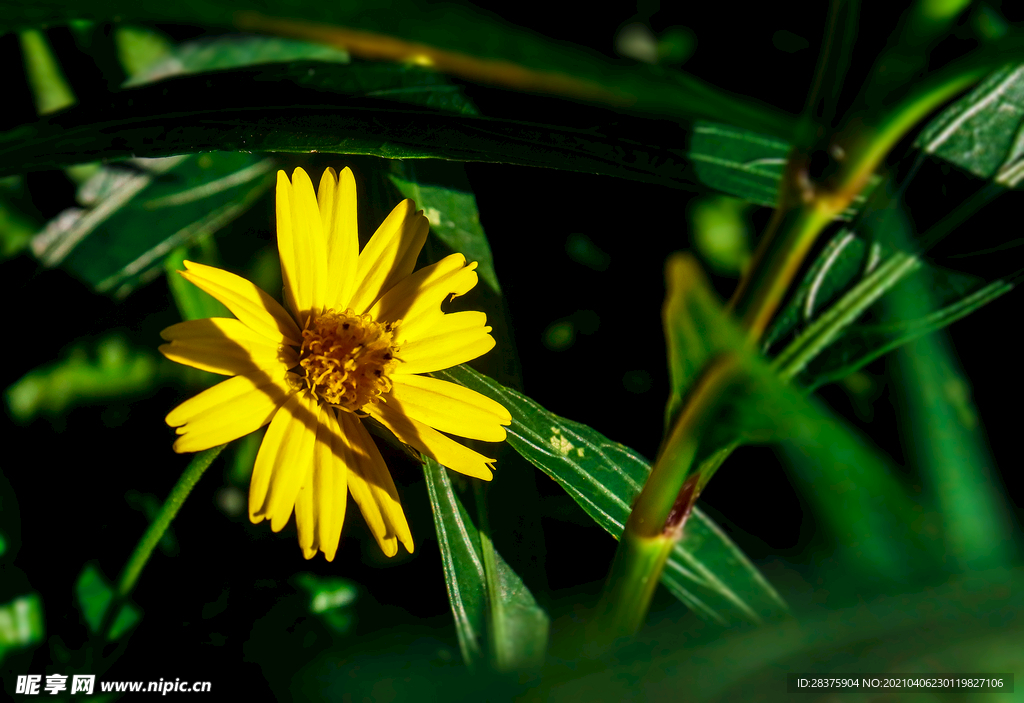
[199, 464]
[659, 515]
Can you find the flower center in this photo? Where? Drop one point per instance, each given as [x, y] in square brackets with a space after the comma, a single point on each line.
[347, 358]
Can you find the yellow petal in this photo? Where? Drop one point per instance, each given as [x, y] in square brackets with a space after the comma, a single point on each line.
[284, 460]
[227, 411]
[225, 346]
[444, 450]
[444, 350]
[371, 486]
[337, 199]
[416, 300]
[251, 305]
[320, 505]
[448, 407]
[390, 255]
[301, 244]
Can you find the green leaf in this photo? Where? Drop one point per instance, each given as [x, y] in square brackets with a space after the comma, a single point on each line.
[943, 438]
[219, 53]
[484, 604]
[136, 213]
[982, 132]
[112, 370]
[706, 570]
[22, 623]
[837, 320]
[463, 41]
[442, 191]
[376, 109]
[94, 596]
[50, 88]
[884, 330]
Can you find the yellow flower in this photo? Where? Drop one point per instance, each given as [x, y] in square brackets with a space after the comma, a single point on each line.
[362, 327]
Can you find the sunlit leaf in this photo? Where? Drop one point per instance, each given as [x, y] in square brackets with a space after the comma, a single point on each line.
[480, 613]
[138, 212]
[706, 570]
[982, 132]
[49, 86]
[94, 596]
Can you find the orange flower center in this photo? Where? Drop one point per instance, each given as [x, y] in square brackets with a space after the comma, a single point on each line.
[347, 358]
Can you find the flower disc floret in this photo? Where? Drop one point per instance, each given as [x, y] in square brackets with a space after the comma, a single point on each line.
[346, 359]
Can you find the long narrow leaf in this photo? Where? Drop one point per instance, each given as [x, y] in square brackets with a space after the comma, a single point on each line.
[475, 605]
[462, 41]
[706, 571]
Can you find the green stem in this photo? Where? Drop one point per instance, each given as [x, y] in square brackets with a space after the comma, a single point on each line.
[874, 143]
[659, 514]
[776, 263]
[634, 576]
[199, 464]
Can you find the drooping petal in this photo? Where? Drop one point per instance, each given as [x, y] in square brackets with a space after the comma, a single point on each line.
[225, 346]
[389, 256]
[448, 407]
[284, 461]
[320, 505]
[337, 199]
[457, 338]
[416, 300]
[249, 304]
[301, 244]
[372, 488]
[227, 411]
[444, 450]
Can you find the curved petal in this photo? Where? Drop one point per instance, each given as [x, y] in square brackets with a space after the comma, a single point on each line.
[284, 461]
[444, 450]
[337, 199]
[320, 505]
[442, 351]
[449, 407]
[301, 244]
[416, 300]
[225, 346]
[227, 411]
[249, 304]
[389, 256]
[370, 484]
